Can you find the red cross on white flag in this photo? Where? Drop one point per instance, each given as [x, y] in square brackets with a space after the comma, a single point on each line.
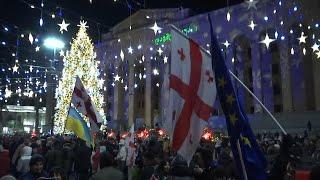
[82, 102]
[192, 94]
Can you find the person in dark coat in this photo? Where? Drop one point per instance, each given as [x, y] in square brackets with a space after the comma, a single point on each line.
[279, 167]
[107, 170]
[68, 159]
[83, 160]
[149, 165]
[55, 156]
[204, 169]
[36, 169]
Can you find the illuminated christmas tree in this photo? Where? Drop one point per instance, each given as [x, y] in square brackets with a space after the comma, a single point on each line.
[80, 61]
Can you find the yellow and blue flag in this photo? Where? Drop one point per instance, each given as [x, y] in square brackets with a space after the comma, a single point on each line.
[78, 125]
[250, 161]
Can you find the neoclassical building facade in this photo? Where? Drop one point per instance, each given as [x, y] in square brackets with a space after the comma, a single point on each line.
[136, 60]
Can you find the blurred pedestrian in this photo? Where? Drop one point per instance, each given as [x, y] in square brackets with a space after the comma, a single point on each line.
[107, 170]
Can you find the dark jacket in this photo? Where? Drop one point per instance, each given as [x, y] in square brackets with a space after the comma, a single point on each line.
[108, 173]
[54, 158]
[32, 176]
[68, 159]
[83, 159]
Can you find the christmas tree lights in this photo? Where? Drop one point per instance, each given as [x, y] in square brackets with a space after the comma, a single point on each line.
[80, 61]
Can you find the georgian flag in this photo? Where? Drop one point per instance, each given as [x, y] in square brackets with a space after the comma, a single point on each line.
[192, 94]
[82, 102]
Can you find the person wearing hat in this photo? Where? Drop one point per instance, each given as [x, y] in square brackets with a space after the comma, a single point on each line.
[36, 169]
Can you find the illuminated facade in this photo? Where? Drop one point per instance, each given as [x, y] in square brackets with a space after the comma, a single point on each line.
[283, 76]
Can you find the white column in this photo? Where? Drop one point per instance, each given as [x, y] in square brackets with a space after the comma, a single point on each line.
[131, 114]
[256, 76]
[316, 72]
[147, 95]
[116, 95]
[285, 77]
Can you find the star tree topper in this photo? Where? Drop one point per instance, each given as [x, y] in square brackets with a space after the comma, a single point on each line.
[83, 24]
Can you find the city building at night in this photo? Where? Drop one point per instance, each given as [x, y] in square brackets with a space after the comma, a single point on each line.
[282, 73]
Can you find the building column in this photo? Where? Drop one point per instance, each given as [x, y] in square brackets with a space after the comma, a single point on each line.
[285, 77]
[117, 99]
[229, 56]
[164, 94]
[316, 72]
[266, 78]
[297, 76]
[121, 101]
[256, 76]
[131, 114]
[147, 96]
[239, 71]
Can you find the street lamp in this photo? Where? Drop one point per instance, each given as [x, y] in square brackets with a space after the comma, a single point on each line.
[53, 43]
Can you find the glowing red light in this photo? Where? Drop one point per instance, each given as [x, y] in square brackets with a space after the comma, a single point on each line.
[111, 134]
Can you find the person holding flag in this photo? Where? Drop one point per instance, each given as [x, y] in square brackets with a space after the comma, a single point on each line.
[250, 161]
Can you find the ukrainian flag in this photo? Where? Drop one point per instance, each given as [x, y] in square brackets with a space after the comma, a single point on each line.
[78, 125]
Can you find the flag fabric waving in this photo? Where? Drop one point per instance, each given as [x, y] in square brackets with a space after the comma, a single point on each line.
[192, 93]
[250, 161]
[82, 102]
[78, 125]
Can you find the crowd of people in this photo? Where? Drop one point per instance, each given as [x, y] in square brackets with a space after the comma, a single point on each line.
[67, 157]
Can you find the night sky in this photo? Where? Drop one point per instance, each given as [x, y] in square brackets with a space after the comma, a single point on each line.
[19, 18]
[106, 13]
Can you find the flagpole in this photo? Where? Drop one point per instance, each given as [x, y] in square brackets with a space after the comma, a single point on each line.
[256, 98]
[244, 172]
[65, 123]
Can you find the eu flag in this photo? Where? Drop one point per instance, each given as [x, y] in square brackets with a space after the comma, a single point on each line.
[250, 161]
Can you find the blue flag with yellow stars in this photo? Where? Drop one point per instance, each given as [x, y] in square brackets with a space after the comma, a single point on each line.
[250, 161]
